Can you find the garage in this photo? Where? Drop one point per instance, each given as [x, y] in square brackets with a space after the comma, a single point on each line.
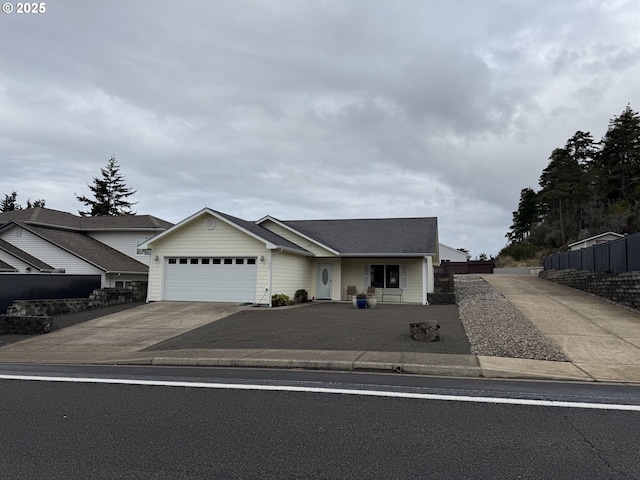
[202, 279]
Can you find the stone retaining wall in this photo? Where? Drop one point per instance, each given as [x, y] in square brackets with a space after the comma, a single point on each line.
[24, 325]
[99, 298]
[621, 288]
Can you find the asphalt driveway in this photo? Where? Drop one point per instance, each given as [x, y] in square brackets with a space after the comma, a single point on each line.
[327, 326]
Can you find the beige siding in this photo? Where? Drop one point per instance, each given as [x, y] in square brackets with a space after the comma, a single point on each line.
[353, 274]
[336, 286]
[195, 240]
[297, 239]
[291, 273]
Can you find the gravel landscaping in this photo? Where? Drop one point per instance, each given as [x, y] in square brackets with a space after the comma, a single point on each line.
[495, 327]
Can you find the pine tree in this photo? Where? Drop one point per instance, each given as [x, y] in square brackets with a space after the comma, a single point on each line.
[10, 202]
[110, 194]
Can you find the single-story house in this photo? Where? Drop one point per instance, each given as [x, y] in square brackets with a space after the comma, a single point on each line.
[41, 241]
[212, 256]
[450, 254]
[595, 240]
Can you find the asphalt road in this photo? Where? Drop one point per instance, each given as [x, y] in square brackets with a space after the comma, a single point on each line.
[208, 423]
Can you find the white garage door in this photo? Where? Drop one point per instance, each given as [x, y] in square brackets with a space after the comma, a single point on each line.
[210, 279]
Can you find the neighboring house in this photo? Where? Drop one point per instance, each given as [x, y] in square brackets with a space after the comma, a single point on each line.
[212, 256]
[595, 240]
[450, 254]
[42, 240]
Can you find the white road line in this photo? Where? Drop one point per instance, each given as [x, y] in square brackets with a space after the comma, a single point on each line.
[343, 391]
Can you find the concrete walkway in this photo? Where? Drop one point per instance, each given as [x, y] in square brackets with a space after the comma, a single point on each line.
[601, 339]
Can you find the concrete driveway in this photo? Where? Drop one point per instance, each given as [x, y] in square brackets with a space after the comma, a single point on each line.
[119, 333]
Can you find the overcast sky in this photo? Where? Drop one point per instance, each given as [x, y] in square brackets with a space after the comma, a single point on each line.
[311, 109]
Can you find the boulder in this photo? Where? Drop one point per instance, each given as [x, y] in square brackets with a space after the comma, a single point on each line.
[425, 331]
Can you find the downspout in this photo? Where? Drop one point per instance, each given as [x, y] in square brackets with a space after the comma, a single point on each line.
[271, 255]
[425, 281]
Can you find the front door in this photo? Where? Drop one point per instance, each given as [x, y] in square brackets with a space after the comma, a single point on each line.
[325, 278]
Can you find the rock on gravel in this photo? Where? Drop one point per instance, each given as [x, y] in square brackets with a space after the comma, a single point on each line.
[495, 327]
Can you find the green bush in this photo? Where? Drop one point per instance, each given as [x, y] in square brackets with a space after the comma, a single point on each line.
[301, 296]
[280, 300]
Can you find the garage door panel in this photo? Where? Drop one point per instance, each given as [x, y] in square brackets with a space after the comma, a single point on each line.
[211, 282]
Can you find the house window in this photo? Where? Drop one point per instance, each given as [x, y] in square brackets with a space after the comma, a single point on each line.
[228, 261]
[205, 261]
[239, 261]
[123, 284]
[139, 242]
[172, 261]
[251, 261]
[183, 261]
[215, 261]
[193, 261]
[385, 276]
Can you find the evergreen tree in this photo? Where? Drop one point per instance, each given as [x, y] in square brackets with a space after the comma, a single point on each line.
[526, 217]
[619, 160]
[110, 193]
[10, 202]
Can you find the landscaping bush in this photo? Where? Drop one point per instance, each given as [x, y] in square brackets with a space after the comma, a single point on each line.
[280, 300]
[301, 296]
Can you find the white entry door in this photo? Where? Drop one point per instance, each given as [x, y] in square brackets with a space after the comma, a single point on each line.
[325, 279]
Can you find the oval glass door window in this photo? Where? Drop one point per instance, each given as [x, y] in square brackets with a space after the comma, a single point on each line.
[325, 276]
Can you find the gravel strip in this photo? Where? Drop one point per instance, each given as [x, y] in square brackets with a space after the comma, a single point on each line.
[495, 327]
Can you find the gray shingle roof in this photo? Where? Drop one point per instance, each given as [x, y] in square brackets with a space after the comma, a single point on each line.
[93, 251]
[376, 236]
[25, 257]
[264, 233]
[55, 218]
[5, 267]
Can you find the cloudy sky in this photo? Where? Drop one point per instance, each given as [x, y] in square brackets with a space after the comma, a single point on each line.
[311, 109]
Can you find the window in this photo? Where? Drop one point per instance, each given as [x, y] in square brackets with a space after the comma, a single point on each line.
[251, 261]
[205, 261]
[228, 261]
[385, 276]
[239, 261]
[183, 261]
[172, 261]
[139, 241]
[193, 261]
[216, 261]
[123, 284]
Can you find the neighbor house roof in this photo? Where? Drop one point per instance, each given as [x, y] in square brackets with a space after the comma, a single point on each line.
[595, 237]
[5, 267]
[375, 236]
[47, 217]
[82, 246]
[25, 257]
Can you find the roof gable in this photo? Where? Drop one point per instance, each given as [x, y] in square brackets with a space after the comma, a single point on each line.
[88, 249]
[25, 257]
[270, 239]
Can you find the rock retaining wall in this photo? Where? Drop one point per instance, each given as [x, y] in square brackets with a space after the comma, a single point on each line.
[24, 325]
[621, 288]
[99, 298]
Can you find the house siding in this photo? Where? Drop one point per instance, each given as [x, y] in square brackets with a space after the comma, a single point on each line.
[290, 273]
[353, 274]
[13, 261]
[125, 242]
[49, 253]
[195, 240]
[336, 285]
[297, 239]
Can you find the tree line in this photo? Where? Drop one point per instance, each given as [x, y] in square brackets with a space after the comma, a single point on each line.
[109, 195]
[589, 187]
